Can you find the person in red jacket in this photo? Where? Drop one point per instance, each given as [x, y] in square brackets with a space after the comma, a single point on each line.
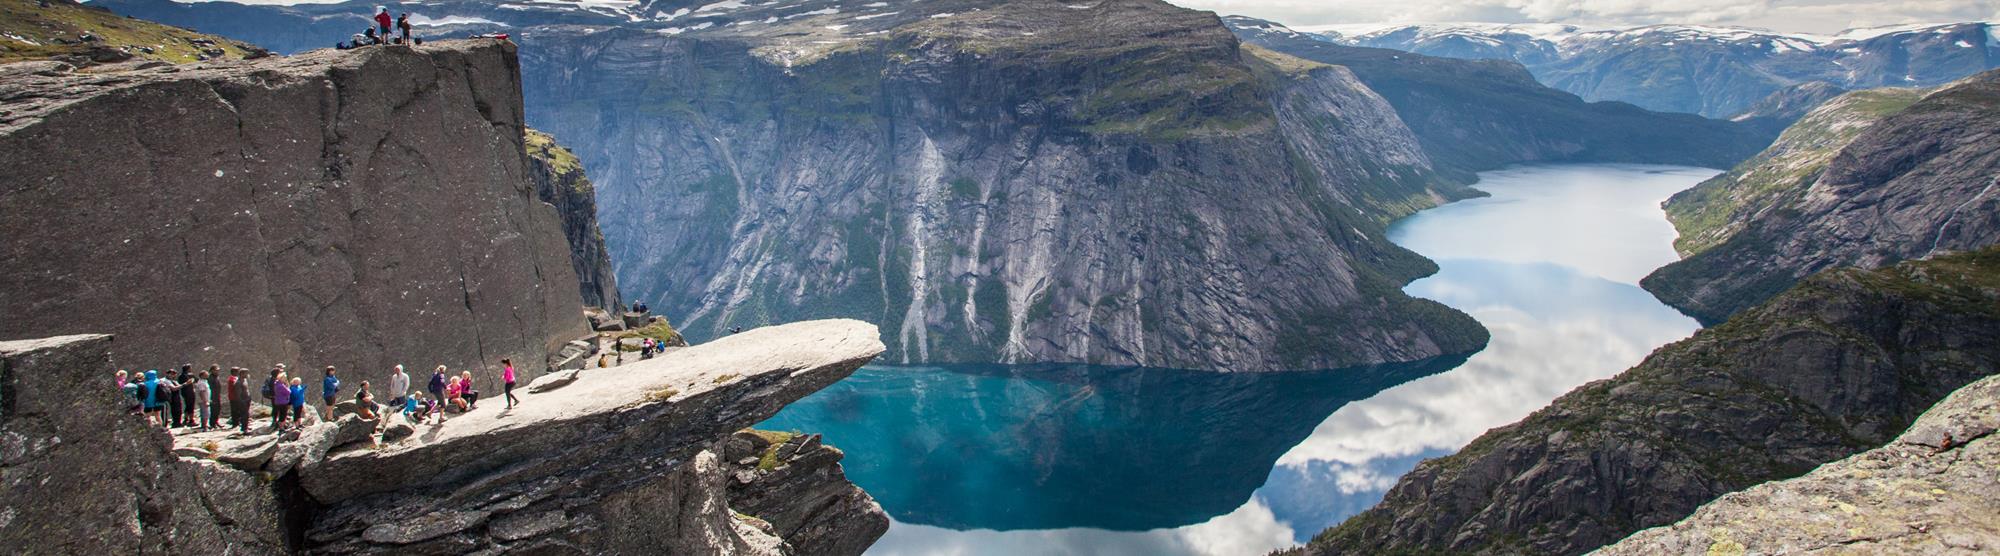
[382, 21]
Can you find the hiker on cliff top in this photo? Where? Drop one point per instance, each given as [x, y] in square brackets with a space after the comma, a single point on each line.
[202, 411]
[239, 400]
[382, 22]
[214, 380]
[329, 388]
[507, 377]
[190, 410]
[135, 396]
[437, 383]
[281, 399]
[169, 389]
[298, 402]
[152, 397]
[403, 25]
[465, 389]
[121, 379]
[399, 386]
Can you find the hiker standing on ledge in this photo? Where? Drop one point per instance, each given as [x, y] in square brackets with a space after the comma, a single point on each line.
[403, 24]
[382, 23]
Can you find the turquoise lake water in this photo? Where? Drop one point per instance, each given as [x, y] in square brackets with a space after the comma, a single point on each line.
[1071, 459]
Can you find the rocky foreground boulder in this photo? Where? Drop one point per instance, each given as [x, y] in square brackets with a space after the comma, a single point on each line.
[352, 208]
[623, 460]
[1841, 363]
[1935, 490]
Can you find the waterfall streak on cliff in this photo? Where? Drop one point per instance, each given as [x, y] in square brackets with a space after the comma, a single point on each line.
[930, 170]
[1939, 237]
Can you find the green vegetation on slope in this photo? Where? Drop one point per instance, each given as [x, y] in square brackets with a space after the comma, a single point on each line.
[72, 32]
[544, 147]
[1714, 211]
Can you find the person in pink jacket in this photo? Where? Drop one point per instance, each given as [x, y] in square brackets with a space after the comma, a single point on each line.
[507, 376]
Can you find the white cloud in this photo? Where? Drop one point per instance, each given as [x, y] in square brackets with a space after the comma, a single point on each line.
[1818, 16]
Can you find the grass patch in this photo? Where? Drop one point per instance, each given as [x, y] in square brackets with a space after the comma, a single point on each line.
[727, 377]
[663, 394]
[659, 330]
[774, 439]
[30, 32]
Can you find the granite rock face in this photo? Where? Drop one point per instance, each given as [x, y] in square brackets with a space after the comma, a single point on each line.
[559, 181]
[284, 209]
[1028, 182]
[1841, 363]
[82, 476]
[1935, 490]
[797, 486]
[623, 460]
[1918, 181]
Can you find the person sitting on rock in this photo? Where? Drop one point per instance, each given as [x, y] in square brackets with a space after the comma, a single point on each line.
[298, 395]
[454, 395]
[364, 403]
[465, 389]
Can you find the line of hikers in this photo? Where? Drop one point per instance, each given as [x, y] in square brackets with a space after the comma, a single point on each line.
[195, 400]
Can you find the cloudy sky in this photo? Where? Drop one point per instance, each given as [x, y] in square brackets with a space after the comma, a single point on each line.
[1811, 16]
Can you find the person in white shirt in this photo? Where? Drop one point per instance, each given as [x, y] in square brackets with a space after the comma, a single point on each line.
[399, 387]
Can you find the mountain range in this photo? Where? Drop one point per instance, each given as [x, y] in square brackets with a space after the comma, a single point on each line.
[1719, 72]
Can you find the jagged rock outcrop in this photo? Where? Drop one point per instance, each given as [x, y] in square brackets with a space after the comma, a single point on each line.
[559, 181]
[1475, 115]
[794, 483]
[623, 460]
[1840, 363]
[1935, 490]
[1918, 180]
[82, 475]
[353, 208]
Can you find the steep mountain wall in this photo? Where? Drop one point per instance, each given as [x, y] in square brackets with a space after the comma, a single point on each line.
[1120, 184]
[1841, 363]
[1474, 115]
[559, 181]
[1915, 182]
[349, 208]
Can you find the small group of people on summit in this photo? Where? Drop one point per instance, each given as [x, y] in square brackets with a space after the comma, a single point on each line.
[379, 33]
[195, 400]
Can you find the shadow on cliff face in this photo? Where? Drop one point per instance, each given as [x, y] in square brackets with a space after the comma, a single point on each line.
[1053, 446]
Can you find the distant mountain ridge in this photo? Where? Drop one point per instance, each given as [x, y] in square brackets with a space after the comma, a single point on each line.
[1714, 71]
[1475, 115]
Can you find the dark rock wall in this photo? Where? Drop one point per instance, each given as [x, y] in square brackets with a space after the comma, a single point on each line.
[82, 476]
[1839, 364]
[559, 181]
[358, 209]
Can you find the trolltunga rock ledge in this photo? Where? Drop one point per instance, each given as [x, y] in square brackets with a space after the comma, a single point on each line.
[599, 464]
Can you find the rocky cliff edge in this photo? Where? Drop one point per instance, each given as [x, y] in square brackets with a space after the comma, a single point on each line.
[629, 459]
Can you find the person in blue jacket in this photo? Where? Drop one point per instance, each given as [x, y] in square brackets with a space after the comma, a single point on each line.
[298, 402]
[152, 397]
[329, 388]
